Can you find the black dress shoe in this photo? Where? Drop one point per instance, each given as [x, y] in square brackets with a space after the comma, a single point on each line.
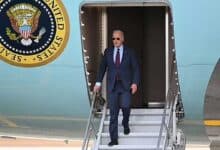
[113, 143]
[126, 131]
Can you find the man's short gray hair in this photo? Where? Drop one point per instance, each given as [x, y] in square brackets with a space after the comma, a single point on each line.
[120, 31]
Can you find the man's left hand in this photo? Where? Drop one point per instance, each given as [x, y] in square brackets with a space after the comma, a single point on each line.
[133, 88]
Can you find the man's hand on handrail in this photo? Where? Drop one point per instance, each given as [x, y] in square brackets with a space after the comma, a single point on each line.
[97, 88]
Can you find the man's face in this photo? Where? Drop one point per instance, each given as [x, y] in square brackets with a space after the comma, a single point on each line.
[117, 39]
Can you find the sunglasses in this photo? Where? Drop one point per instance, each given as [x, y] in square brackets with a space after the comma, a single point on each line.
[115, 39]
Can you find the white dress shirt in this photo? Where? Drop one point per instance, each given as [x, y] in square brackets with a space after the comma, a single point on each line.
[115, 53]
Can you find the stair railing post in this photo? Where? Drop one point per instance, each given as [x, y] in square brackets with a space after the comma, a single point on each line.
[86, 137]
[174, 119]
[101, 127]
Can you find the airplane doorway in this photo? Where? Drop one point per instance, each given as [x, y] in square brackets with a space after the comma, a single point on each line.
[144, 29]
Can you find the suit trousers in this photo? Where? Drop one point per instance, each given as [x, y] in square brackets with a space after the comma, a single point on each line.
[118, 98]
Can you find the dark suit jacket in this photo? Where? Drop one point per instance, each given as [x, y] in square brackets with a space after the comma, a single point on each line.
[128, 70]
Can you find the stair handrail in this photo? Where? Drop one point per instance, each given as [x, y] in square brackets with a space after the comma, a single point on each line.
[174, 118]
[90, 127]
[162, 124]
[171, 106]
[101, 127]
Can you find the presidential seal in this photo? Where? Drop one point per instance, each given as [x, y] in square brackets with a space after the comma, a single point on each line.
[32, 32]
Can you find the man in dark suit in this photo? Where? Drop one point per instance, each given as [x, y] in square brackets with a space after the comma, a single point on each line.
[122, 80]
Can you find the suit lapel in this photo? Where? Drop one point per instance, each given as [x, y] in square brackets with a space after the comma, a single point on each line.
[124, 54]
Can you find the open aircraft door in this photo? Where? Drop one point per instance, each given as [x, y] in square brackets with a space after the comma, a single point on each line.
[149, 30]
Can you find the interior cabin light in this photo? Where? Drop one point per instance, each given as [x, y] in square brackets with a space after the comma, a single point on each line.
[86, 57]
[87, 73]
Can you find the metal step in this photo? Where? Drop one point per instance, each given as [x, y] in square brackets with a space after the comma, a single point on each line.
[134, 139]
[139, 118]
[134, 134]
[144, 112]
[129, 147]
[144, 127]
[138, 123]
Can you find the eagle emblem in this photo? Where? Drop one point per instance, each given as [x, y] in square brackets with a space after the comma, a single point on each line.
[24, 19]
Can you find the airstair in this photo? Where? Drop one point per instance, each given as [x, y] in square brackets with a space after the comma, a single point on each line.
[151, 129]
